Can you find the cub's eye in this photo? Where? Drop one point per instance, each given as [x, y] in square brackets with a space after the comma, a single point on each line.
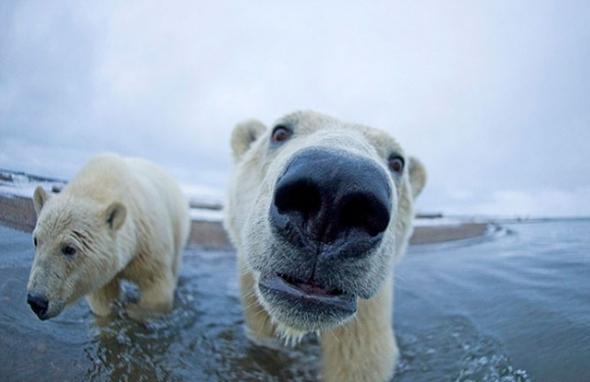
[281, 133]
[68, 250]
[396, 164]
[35, 241]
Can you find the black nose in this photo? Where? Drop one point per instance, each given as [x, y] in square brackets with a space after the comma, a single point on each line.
[38, 304]
[332, 197]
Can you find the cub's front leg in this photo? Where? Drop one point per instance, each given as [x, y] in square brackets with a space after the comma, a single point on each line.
[157, 297]
[101, 301]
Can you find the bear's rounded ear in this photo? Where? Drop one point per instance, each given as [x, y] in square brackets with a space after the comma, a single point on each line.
[115, 215]
[417, 176]
[243, 135]
[40, 197]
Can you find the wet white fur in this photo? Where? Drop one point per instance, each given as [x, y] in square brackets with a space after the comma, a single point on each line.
[128, 220]
[362, 348]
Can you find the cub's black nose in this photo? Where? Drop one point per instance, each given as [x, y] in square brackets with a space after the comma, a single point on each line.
[38, 304]
[332, 197]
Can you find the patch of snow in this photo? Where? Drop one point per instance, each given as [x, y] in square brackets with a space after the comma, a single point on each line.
[201, 214]
[23, 185]
[203, 195]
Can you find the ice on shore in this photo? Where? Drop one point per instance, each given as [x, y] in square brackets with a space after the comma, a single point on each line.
[206, 202]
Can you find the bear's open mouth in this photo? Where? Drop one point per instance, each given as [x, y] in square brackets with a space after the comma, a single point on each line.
[307, 292]
[310, 287]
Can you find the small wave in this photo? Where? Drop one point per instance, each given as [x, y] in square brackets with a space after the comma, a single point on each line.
[453, 350]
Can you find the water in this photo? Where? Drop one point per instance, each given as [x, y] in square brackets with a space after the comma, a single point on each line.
[508, 307]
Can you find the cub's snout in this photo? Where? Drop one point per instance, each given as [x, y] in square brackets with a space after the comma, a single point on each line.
[39, 305]
[333, 199]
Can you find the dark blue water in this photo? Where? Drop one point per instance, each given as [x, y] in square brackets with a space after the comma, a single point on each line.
[498, 307]
[509, 307]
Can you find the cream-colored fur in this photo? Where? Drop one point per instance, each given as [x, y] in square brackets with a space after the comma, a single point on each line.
[127, 219]
[363, 347]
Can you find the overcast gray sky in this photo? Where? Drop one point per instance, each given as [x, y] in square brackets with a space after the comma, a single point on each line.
[493, 96]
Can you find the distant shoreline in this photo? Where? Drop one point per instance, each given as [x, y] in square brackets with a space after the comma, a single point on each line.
[17, 212]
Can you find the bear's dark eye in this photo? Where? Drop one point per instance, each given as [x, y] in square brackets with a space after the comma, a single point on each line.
[396, 164]
[35, 241]
[280, 134]
[68, 250]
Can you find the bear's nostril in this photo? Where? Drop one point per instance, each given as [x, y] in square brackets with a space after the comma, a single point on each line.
[38, 304]
[363, 211]
[300, 196]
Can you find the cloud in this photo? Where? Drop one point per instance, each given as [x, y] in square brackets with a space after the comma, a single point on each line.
[491, 96]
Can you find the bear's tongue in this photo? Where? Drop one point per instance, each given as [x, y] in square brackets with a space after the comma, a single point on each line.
[310, 287]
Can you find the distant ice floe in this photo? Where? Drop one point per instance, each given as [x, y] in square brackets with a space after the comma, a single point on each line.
[203, 196]
[202, 214]
[423, 222]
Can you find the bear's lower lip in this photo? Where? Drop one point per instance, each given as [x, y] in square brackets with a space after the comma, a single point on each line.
[308, 292]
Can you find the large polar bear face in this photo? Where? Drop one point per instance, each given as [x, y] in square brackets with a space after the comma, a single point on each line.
[75, 250]
[319, 209]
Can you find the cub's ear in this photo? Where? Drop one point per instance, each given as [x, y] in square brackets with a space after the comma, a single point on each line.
[40, 197]
[417, 176]
[243, 135]
[115, 215]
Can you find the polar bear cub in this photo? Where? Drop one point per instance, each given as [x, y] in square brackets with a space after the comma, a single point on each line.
[319, 210]
[118, 219]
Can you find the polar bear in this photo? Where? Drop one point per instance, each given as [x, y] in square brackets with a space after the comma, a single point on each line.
[118, 219]
[319, 210]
